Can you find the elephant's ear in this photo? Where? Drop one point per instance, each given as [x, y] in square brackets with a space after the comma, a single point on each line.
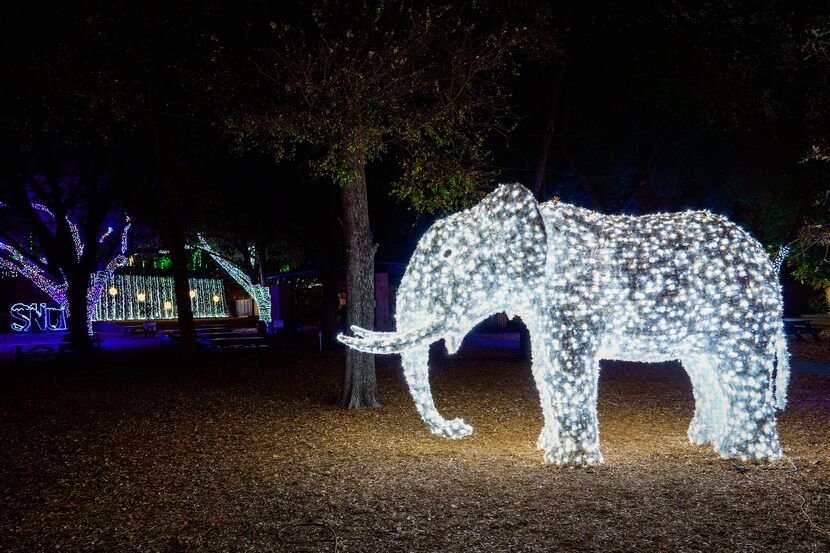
[514, 231]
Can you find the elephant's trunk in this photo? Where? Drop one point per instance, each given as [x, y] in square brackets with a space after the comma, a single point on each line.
[413, 345]
[416, 370]
[391, 342]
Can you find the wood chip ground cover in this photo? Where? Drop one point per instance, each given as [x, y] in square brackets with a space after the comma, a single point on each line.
[133, 452]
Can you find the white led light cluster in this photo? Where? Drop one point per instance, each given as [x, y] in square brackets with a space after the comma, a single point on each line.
[690, 286]
[260, 294]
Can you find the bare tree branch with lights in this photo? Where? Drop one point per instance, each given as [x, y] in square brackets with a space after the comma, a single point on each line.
[241, 274]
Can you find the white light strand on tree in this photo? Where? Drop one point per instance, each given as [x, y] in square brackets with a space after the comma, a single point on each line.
[76, 238]
[73, 228]
[104, 236]
[16, 262]
[99, 279]
[19, 263]
[688, 286]
[781, 258]
[261, 294]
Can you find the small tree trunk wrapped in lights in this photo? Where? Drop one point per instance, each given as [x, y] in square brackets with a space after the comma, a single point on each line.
[260, 293]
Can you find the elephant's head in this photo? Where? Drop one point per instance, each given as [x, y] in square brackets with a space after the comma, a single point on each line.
[485, 260]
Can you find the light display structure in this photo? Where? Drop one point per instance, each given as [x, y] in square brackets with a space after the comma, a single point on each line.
[38, 316]
[260, 294]
[690, 286]
[140, 297]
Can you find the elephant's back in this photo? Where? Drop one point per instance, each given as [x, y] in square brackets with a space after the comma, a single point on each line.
[682, 273]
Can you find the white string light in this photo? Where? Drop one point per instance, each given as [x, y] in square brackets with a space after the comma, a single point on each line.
[104, 236]
[16, 262]
[689, 286]
[143, 296]
[99, 279]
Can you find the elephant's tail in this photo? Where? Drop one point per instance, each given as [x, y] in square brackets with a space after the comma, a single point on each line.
[782, 356]
[782, 373]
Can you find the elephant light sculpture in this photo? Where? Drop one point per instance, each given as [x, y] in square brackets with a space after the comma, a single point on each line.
[690, 286]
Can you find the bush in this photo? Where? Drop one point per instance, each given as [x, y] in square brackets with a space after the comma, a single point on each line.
[818, 303]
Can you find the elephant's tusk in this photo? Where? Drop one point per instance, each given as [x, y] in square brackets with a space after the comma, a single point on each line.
[362, 332]
[390, 342]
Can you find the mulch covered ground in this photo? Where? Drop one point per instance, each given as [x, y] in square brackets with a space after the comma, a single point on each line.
[808, 350]
[131, 452]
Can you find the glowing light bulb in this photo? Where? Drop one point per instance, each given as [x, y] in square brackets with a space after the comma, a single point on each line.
[113, 291]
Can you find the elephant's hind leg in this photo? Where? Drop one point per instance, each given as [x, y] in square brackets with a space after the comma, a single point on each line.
[750, 431]
[575, 438]
[549, 431]
[710, 400]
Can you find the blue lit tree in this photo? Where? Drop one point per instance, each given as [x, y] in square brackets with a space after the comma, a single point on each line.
[64, 233]
[22, 260]
[63, 162]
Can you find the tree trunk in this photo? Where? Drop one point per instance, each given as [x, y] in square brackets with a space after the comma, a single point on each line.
[328, 318]
[76, 296]
[524, 339]
[551, 105]
[260, 259]
[359, 382]
[181, 286]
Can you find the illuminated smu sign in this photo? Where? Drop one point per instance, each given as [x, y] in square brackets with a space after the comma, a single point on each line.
[44, 318]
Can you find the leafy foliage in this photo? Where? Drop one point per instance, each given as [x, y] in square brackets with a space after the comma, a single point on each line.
[354, 81]
[730, 63]
[812, 244]
[818, 303]
[811, 255]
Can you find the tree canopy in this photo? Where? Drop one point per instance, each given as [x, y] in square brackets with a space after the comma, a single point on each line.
[423, 82]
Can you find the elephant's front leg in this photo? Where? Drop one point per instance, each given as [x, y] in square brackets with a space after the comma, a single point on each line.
[572, 382]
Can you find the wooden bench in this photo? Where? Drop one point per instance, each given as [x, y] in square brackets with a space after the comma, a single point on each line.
[234, 342]
[146, 330]
[800, 327]
[95, 339]
[218, 334]
[38, 350]
[199, 333]
[46, 349]
[214, 328]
